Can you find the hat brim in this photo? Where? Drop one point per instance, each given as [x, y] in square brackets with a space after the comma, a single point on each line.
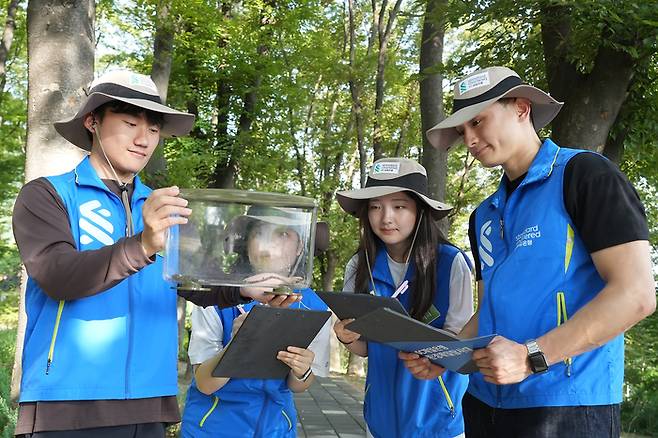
[351, 200]
[239, 224]
[175, 123]
[544, 109]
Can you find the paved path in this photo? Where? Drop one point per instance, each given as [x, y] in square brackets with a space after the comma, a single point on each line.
[331, 407]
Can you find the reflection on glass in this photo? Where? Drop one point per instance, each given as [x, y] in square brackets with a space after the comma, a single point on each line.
[228, 241]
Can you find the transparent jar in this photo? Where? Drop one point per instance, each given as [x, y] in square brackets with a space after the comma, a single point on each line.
[241, 238]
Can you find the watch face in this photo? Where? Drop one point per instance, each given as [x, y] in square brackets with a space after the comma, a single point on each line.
[538, 363]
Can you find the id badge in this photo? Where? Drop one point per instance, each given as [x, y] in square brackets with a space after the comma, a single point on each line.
[431, 315]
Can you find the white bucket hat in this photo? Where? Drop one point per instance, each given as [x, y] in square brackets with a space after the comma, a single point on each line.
[130, 87]
[392, 175]
[477, 91]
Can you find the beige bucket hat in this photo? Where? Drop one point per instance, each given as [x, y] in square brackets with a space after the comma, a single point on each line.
[477, 91]
[392, 175]
[130, 87]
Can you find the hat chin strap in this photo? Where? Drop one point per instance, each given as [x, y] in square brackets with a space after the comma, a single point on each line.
[122, 186]
[406, 262]
[116, 177]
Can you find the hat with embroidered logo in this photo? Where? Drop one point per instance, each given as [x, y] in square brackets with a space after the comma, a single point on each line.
[392, 175]
[130, 87]
[476, 92]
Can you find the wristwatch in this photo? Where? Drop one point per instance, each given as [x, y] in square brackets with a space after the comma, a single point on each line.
[536, 357]
[306, 375]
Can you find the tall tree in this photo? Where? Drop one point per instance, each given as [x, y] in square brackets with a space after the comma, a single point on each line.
[356, 91]
[383, 30]
[61, 45]
[7, 39]
[594, 93]
[431, 93]
[586, 53]
[225, 171]
[163, 47]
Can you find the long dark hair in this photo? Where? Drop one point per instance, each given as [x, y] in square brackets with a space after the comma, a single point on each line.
[423, 255]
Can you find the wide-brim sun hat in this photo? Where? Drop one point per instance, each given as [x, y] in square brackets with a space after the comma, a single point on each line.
[130, 87]
[288, 217]
[392, 175]
[476, 92]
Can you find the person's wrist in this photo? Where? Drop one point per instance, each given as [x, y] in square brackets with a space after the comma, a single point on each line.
[148, 251]
[343, 342]
[536, 361]
[304, 377]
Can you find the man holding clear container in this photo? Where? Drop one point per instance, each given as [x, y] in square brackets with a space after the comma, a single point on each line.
[100, 352]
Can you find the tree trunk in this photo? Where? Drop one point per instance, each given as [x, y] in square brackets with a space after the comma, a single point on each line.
[226, 169]
[431, 97]
[356, 365]
[5, 44]
[163, 49]
[60, 38]
[355, 92]
[592, 100]
[384, 35]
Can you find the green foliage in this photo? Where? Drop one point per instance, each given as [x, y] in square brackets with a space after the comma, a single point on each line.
[299, 137]
[640, 406]
[8, 411]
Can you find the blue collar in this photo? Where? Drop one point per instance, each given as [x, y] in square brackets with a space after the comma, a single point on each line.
[540, 169]
[381, 271]
[86, 175]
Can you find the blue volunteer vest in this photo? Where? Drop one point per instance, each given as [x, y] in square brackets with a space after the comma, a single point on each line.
[397, 404]
[244, 408]
[117, 344]
[537, 273]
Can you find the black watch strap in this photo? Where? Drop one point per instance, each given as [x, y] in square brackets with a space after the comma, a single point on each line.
[536, 357]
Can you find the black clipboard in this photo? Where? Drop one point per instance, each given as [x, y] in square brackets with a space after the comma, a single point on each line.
[352, 305]
[384, 325]
[407, 334]
[251, 354]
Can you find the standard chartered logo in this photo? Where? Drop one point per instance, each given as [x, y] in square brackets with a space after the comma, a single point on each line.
[93, 223]
[486, 249]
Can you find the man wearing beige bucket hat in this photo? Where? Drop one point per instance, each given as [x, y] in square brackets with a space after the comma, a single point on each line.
[562, 267]
[99, 354]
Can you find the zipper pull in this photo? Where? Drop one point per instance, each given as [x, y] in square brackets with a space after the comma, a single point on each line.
[452, 412]
[48, 365]
[569, 360]
[502, 234]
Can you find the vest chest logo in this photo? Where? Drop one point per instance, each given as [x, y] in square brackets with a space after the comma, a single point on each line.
[527, 236]
[94, 223]
[486, 249]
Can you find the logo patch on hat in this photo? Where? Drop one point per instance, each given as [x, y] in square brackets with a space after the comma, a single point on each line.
[141, 80]
[390, 167]
[473, 82]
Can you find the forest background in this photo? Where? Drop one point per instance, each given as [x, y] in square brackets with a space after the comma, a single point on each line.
[301, 96]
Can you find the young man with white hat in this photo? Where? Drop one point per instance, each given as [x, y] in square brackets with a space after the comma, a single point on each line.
[563, 269]
[100, 352]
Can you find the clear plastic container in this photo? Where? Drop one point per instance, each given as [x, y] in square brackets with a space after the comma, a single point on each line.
[241, 238]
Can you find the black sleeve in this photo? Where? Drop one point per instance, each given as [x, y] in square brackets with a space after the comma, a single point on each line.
[474, 247]
[603, 205]
[220, 296]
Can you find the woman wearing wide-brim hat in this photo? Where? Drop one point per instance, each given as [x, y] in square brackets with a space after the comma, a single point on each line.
[403, 254]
